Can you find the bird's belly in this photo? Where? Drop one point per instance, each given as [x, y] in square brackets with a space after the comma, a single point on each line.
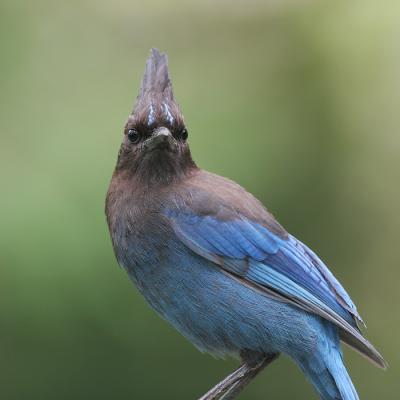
[219, 314]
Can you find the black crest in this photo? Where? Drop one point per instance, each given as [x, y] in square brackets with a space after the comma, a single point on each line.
[156, 104]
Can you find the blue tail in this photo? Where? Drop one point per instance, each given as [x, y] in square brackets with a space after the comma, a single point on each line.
[326, 371]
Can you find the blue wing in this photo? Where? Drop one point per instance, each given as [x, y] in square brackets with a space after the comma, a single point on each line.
[220, 221]
[251, 251]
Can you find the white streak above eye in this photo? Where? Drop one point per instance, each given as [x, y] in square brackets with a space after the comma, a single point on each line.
[150, 118]
[168, 114]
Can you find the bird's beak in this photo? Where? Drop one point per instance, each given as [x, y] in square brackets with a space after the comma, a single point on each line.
[160, 139]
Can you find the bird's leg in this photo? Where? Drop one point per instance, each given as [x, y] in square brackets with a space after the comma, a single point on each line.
[235, 382]
[254, 370]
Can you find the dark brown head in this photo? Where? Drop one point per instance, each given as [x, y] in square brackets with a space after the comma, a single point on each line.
[154, 148]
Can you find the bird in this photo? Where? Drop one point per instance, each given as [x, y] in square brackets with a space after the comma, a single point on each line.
[210, 258]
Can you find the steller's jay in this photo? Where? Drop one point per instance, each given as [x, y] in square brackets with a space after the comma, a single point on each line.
[211, 260]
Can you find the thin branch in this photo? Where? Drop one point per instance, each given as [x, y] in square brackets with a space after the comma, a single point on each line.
[234, 383]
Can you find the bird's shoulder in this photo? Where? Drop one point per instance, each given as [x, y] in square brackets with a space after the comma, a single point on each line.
[209, 194]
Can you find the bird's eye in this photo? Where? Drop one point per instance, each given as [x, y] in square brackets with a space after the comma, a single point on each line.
[133, 135]
[183, 134]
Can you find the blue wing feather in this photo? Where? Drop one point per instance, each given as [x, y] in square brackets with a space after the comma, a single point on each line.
[251, 251]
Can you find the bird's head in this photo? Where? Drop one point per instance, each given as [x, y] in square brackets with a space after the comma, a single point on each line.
[154, 147]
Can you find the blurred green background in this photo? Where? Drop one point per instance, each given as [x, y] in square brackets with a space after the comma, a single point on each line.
[296, 100]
